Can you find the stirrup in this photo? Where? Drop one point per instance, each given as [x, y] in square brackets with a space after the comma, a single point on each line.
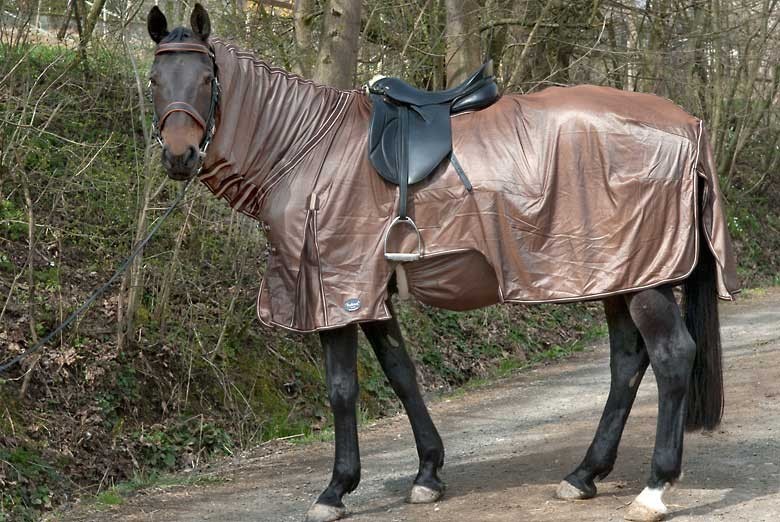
[400, 256]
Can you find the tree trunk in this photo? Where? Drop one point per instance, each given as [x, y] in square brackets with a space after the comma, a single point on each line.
[303, 14]
[33, 362]
[89, 23]
[78, 13]
[463, 41]
[337, 59]
[68, 14]
[132, 283]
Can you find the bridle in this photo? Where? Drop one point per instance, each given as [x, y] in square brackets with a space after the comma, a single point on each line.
[208, 124]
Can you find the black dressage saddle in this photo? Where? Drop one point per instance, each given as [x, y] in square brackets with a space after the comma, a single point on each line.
[410, 134]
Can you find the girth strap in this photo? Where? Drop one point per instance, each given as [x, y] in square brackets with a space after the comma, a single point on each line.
[460, 171]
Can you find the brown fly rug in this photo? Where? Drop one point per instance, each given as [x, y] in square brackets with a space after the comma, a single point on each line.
[578, 193]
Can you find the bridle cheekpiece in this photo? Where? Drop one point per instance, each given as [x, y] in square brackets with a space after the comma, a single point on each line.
[208, 124]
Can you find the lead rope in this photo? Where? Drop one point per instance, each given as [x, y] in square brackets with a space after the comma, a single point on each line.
[15, 360]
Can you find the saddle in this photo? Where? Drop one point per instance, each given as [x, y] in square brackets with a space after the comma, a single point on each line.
[410, 135]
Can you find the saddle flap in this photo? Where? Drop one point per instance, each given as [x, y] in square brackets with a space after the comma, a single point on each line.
[430, 140]
[414, 151]
[384, 119]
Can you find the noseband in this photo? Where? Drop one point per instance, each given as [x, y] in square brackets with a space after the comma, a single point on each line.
[208, 124]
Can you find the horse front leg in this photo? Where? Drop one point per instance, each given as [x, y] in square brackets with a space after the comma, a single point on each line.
[388, 344]
[340, 346]
[628, 362]
[672, 351]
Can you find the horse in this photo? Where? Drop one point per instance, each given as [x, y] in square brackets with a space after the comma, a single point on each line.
[292, 154]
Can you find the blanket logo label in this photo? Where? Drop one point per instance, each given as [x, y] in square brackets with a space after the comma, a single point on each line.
[352, 305]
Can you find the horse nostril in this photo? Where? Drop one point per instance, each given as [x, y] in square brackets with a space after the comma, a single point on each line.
[167, 160]
[192, 156]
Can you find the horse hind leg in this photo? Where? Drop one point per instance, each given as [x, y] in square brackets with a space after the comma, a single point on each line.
[672, 351]
[388, 344]
[340, 346]
[628, 362]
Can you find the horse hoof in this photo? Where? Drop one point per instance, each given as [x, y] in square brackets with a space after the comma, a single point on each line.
[323, 513]
[566, 491]
[641, 513]
[423, 495]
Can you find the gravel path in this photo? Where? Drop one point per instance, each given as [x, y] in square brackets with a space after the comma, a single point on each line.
[509, 444]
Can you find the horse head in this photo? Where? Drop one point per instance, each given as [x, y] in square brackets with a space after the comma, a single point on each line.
[184, 89]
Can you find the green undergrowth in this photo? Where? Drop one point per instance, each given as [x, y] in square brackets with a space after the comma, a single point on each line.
[755, 231]
[28, 481]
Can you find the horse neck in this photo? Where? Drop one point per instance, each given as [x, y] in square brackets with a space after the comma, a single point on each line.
[268, 115]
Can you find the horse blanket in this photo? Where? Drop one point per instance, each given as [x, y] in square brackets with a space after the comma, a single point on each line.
[579, 193]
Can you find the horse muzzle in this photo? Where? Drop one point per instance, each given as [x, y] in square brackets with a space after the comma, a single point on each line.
[181, 167]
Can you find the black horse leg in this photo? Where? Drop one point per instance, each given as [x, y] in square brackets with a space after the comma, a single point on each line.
[628, 362]
[340, 347]
[672, 352]
[386, 339]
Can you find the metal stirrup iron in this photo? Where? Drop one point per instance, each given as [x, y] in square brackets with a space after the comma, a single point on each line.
[401, 256]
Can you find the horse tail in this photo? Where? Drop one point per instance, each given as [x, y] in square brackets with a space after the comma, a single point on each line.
[700, 305]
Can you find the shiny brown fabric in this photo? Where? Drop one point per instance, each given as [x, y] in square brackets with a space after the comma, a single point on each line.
[579, 193]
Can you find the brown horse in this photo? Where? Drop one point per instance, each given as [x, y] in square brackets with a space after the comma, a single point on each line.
[620, 215]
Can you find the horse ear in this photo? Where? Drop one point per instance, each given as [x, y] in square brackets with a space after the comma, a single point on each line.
[199, 20]
[156, 24]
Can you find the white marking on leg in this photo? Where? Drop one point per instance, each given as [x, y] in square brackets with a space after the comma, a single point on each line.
[652, 498]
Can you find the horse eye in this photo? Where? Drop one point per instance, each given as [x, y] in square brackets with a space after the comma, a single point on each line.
[208, 79]
[152, 82]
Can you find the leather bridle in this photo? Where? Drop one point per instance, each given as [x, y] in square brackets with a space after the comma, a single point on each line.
[207, 124]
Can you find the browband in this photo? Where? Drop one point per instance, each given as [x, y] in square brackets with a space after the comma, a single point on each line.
[178, 47]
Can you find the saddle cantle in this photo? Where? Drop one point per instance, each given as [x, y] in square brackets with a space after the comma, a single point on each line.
[410, 133]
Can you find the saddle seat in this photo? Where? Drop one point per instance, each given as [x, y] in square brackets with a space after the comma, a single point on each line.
[410, 133]
[401, 92]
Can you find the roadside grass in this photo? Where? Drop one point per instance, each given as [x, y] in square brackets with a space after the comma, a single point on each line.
[513, 366]
[118, 494]
[747, 293]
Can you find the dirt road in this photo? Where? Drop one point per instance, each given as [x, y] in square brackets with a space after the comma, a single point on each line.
[508, 445]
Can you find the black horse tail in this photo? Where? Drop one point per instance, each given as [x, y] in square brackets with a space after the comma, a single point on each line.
[700, 304]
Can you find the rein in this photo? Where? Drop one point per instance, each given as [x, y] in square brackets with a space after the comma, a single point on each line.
[207, 124]
[97, 293]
